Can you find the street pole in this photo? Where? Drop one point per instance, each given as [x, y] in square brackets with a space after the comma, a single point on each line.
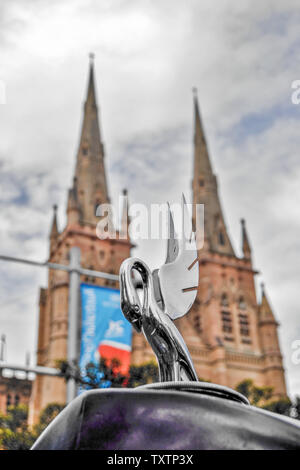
[73, 317]
[2, 347]
[39, 370]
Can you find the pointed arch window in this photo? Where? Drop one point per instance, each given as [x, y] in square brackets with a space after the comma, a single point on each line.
[244, 324]
[226, 318]
[226, 321]
[197, 323]
[97, 204]
[221, 238]
[8, 401]
[242, 303]
[224, 300]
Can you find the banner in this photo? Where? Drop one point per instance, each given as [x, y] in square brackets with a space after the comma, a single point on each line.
[104, 330]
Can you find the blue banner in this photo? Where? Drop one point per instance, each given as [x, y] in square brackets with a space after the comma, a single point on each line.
[104, 330]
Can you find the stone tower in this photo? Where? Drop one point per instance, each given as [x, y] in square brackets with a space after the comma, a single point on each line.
[230, 335]
[89, 189]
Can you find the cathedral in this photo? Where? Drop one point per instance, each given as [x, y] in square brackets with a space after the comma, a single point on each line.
[230, 334]
[89, 189]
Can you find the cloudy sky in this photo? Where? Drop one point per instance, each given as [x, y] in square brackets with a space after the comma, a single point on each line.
[242, 56]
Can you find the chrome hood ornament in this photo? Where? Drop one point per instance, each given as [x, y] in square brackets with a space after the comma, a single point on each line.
[168, 293]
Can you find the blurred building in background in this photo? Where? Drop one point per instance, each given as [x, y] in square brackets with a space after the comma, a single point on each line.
[230, 334]
[88, 191]
[13, 392]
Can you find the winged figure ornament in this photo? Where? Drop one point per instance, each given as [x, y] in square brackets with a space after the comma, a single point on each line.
[167, 293]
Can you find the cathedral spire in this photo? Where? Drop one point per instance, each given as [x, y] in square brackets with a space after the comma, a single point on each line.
[265, 310]
[245, 241]
[205, 191]
[90, 169]
[54, 230]
[91, 93]
[202, 161]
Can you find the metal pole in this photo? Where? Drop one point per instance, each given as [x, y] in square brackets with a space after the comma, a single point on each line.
[73, 316]
[63, 267]
[40, 370]
[2, 347]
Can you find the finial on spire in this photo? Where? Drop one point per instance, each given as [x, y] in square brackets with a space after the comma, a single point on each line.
[195, 92]
[265, 310]
[91, 57]
[54, 230]
[125, 192]
[245, 241]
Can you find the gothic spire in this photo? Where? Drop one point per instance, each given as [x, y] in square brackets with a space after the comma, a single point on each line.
[91, 93]
[245, 241]
[90, 170]
[205, 191]
[202, 161]
[54, 230]
[265, 310]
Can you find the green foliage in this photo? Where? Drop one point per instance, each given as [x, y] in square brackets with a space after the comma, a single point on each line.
[283, 406]
[14, 431]
[262, 397]
[108, 374]
[15, 418]
[16, 440]
[143, 374]
[296, 408]
[46, 416]
[256, 395]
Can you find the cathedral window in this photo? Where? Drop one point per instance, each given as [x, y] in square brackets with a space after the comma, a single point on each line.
[101, 255]
[221, 238]
[244, 324]
[197, 323]
[17, 400]
[8, 401]
[228, 338]
[242, 303]
[226, 321]
[84, 151]
[201, 182]
[97, 204]
[224, 300]
[246, 341]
